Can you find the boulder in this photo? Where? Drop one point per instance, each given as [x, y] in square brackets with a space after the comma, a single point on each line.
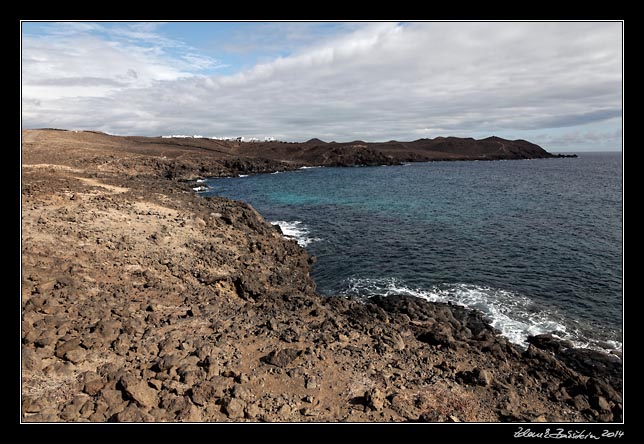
[110, 402]
[133, 413]
[190, 413]
[600, 404]
[75, 356]
[437, 337]
[234, 408]
[580, 402]
[477, 376]
[249, 286]
[483, 377]
[241, 392]
[281, 358]
[64, 346]
[374, 399]
[92, 383]
[594, 363]
[548, 342]
[144, 395]
[204, 393]
[107, 330]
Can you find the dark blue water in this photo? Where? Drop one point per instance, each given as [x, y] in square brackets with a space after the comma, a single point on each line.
[534, 244]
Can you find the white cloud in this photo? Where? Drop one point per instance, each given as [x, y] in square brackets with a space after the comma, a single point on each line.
[377, 82]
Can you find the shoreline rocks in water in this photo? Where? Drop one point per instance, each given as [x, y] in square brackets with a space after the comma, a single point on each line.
[144, 302]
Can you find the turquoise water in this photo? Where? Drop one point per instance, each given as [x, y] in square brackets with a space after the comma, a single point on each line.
[534, 244]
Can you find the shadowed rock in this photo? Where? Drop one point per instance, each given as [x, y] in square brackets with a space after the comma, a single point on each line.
[281, 358]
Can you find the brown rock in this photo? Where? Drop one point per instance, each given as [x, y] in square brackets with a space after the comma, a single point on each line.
[46, 338]
[93, 386]
[203, 393]
[140, 392]
[374, 399]
[75, 356]
[71, 411]
[440, 336]
[306, 411]
[311, 382]
[241, 392]
[600, 403]
[234, 408]
[88, 408]
[483, 377]
[133, 413]
[64, 346]
[155, 383]
[160, 415]
[108, 329]
[253, 411]
[169, 361]
[281, 358]
[122, 344]
[31, 404]
[190, 414]
[401, 405]
[30, 360]
[284, 410]
[112, 397]
[174, 386]
[42, 289]
[394, 340]
[110, 402]
[580, 402]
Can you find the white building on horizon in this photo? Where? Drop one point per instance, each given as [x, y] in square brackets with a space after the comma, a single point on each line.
[227, 139]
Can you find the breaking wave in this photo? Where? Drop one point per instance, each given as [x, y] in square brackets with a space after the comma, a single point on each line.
[296, 230]
[514, 315]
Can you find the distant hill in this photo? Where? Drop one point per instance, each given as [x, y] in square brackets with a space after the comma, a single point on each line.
[315, 141]
[176, 156]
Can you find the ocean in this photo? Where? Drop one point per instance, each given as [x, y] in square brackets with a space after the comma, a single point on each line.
[536, 245]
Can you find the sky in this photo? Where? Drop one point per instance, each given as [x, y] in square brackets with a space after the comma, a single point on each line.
[557, 84]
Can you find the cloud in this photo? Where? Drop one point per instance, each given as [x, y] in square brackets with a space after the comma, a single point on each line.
[82, 81]
[588, 139]
[374, 81]
[581, 118]
[278, 38]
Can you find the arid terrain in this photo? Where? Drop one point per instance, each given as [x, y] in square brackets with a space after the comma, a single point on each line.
[142, 301]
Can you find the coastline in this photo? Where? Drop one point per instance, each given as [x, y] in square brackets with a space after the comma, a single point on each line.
[145, 302]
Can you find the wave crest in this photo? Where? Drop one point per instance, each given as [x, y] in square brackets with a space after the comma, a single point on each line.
[296, 230]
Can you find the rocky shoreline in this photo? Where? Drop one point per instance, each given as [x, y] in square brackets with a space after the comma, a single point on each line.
[144, 302]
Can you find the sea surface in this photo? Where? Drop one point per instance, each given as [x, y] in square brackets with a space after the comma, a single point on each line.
[536, 245]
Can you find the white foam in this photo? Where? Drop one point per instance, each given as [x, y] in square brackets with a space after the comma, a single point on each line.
[296, 230]
[276, 172]
[514, 315]
[201, 180]
[243, 175]
[200, 188]
[309, 168]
